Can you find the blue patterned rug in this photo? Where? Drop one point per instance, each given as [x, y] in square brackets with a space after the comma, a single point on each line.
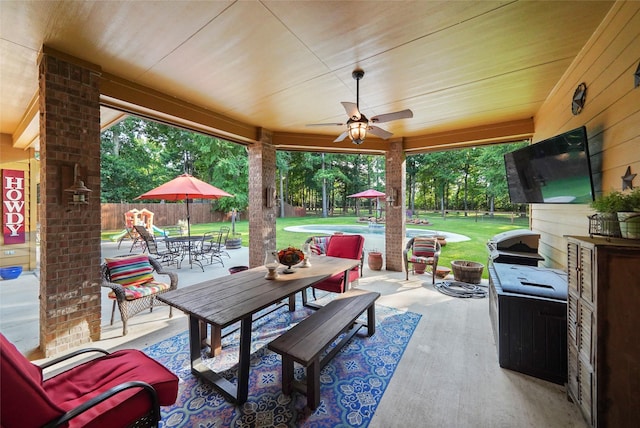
[352, 383]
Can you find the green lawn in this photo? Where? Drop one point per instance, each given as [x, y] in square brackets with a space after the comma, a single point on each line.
[479, 228]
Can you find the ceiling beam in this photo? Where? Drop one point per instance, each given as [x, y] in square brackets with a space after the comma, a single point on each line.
[140, 100]
[504, 132]
[27, 133]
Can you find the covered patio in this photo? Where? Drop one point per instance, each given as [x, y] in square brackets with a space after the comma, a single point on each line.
[256, 73]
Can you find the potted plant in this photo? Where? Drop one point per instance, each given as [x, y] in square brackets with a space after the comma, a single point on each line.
[629, 214]
[619, 213]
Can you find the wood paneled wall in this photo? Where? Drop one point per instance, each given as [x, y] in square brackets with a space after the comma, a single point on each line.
[611, 115]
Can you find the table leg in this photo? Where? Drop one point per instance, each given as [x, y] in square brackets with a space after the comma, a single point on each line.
[198, 368]
[203, 333]
[245, 359]
[195, 341]
[216, 341]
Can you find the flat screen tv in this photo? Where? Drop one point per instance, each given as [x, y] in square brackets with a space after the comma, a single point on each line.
[553, 171]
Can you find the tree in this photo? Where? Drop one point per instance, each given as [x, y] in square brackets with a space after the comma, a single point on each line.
[138, 155]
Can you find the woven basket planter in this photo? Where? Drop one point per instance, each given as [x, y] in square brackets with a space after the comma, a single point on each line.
[466, 271]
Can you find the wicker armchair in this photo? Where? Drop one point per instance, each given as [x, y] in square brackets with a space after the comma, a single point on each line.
[133, 285]
[422, 249]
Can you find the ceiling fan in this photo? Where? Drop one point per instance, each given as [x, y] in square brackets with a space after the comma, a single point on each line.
[358, 125]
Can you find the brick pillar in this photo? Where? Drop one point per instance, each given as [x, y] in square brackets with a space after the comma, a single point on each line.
[262, 219]
[395, 218]
[70, 233]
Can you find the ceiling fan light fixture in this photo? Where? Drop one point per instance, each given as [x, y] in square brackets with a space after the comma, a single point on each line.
[358, 130]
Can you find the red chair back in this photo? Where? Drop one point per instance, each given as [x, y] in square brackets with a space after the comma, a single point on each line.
[21, 386]
[346, 246]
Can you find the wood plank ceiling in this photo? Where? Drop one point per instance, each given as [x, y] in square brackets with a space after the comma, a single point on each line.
[463, 68]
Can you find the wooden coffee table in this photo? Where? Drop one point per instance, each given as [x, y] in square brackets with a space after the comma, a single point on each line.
[223, 301]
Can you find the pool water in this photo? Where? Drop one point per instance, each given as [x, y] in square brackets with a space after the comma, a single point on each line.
[373, 230]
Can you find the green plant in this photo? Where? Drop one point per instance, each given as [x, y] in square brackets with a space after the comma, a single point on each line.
[634, 199]
[616, 201]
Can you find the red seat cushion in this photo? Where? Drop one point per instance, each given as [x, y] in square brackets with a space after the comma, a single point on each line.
[335, 284]
[71, 388]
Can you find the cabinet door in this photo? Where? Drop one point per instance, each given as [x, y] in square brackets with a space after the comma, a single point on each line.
[585, 282]
[573, 273]
[585, 392]
[573, 386]
[572, 319]
[585, 331]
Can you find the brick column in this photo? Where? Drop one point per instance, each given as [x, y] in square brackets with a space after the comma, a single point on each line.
[262, 219]
[70, 233]
[395, 218]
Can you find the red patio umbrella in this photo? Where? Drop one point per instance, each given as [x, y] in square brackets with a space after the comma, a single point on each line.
[370, 194]
[185, 187]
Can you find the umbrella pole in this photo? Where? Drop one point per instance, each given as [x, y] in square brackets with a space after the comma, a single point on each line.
[189, 232]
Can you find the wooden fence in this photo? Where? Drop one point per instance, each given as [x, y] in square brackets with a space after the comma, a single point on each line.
[164, 214]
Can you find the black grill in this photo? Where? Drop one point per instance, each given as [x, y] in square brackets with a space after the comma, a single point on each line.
[518, 247]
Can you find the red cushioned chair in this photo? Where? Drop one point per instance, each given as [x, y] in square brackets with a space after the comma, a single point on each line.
[347, 247]
[117, 389]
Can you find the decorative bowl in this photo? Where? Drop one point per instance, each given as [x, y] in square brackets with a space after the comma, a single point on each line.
[10, 272]
[289, 257]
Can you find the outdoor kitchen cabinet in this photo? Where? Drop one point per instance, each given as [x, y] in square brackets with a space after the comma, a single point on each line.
[603, 329]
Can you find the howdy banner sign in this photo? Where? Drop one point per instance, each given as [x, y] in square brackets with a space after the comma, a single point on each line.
[13, 206]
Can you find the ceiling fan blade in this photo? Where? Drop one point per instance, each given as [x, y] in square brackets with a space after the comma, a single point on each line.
[325, 124]
[403, 114]
[341, 137]
[352, 110]
[379, 132]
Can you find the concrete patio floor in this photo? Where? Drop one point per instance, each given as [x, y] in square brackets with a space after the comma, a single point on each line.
[449, 375]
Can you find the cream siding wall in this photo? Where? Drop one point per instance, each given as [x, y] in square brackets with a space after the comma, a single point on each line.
[611, 115]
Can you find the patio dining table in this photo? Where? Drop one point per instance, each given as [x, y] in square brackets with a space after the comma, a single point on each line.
[186, 246]
[223, 301]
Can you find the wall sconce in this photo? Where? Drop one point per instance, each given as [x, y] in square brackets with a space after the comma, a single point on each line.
[78, 192]
[392, 197]
[270, 196]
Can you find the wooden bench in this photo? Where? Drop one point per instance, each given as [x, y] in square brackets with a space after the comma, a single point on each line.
[306, 342]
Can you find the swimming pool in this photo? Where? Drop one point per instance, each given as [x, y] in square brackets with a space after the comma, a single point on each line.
[375, 230]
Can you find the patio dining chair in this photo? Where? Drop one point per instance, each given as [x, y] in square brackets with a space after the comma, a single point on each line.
[130, 233]
[224, 230]
[170, 255]
[210, 247]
